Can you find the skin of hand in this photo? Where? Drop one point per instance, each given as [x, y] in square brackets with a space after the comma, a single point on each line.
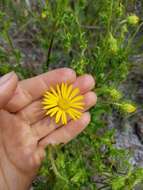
[24, 129]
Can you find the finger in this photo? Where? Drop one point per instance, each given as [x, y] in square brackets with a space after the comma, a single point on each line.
[42, 128]
[8, 85]
[90, 100]
[85, 83]
[32, 89]
[46, 125]
[34, 112]
[68, 132]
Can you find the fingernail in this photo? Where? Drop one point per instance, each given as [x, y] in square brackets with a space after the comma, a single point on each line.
[6, 77]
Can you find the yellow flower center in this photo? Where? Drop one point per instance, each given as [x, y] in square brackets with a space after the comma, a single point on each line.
[63, 104]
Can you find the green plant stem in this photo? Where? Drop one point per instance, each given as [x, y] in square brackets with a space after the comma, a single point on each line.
[50, 152]
[10, 41]
[12, 47]
[110, 17]
[50, 50]
[132, 38]
[54, 29]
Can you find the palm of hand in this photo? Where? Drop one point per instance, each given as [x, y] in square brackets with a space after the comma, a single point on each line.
[19, 145]
[25, 132]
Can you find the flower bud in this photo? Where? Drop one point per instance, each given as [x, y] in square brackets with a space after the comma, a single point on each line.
[115, 94]
[133, 20]
[113, 44]
[128, 108]
[44, 14]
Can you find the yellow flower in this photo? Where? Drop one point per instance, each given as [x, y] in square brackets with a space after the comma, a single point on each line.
[63, 102]
[133, 19]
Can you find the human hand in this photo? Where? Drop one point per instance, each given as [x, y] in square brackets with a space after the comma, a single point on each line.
[24, 129]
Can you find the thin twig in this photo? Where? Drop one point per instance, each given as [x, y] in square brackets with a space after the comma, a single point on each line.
[49, 51]
[90, 27]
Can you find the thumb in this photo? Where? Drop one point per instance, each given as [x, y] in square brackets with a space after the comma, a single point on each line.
[8, 84]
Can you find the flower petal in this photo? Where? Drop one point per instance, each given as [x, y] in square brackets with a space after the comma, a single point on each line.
[49, 101]
[49, 96]
[71, 114]
[59, 91]
[78, 103]
[76, 99]
[64, 118]
[69, 89]
[76, 112]
[63, 89]
[78, 107]
[49, 106]
[53, 91]
[52, 111]
[74, 93]
[58, 115]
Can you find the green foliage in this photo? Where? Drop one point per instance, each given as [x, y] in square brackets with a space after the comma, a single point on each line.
[93, 36]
